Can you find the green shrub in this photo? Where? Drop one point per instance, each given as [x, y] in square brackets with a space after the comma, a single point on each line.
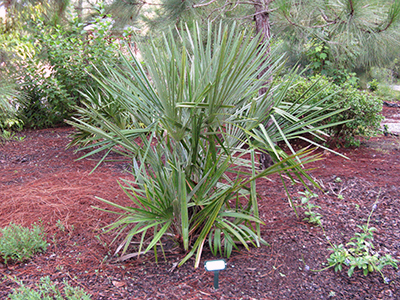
[47, 103]
[384, 75]
[387, 93]
[48, 291]
[72, 52]
[363, 109]
[322, 62]
[19, 243]
[51, 64]
[197, 126]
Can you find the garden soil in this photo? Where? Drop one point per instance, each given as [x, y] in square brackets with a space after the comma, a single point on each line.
[43, 182]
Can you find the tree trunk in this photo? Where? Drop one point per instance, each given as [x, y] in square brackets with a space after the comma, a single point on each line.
[263, 26]
[262, 18]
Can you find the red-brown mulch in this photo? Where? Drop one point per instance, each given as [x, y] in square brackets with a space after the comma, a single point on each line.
[41, 181]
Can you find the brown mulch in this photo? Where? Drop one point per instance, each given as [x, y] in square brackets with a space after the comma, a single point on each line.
[42, 182]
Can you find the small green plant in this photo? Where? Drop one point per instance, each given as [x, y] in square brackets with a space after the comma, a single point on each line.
[48, 291]
[60, 225]
[19, 243]
[312, 216]
[8, 135]
[373, 85]
[321, 62]
[338, 180]
[318, 54]
[359, 253]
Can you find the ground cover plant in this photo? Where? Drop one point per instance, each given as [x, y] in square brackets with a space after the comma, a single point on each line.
[18, 243]
[198, 126]
[48, 291]
[359, 252]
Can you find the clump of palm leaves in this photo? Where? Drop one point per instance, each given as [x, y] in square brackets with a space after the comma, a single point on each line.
[7, 92]
[8, 119]
[196, 126]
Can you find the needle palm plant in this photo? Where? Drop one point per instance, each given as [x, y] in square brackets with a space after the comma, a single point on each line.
[196, 127]
[7, 91]
[8, 96]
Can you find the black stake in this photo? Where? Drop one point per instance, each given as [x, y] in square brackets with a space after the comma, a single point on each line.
[216, 279]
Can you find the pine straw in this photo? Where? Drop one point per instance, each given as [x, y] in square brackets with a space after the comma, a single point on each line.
[67, 197]
[41, 182]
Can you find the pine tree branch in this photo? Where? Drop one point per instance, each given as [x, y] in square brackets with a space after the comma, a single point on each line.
[329, 23]
[351, 8]
[203, 4]
[394, 14]
[227, 3]
[267, 11]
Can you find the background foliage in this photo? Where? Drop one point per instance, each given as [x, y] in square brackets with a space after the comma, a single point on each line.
[51, 64]
[362, 108]
[46, 48]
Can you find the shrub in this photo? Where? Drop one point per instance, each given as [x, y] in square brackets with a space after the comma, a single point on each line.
[19, 243]
[52, 63]
[362, 109]
[387, 93]
[47, 103]
[49, 291]
[197, 124]
[322, 62]
[73, 52]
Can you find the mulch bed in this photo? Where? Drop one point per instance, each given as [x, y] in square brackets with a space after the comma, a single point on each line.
[41, 181]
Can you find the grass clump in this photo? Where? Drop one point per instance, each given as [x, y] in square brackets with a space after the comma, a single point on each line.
[19, 243]
[48, 291]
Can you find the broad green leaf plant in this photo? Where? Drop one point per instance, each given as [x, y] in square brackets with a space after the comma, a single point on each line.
[196, 127]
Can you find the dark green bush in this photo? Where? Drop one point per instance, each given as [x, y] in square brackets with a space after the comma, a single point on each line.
[363, 108]
[73, 52]
[47, 102]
